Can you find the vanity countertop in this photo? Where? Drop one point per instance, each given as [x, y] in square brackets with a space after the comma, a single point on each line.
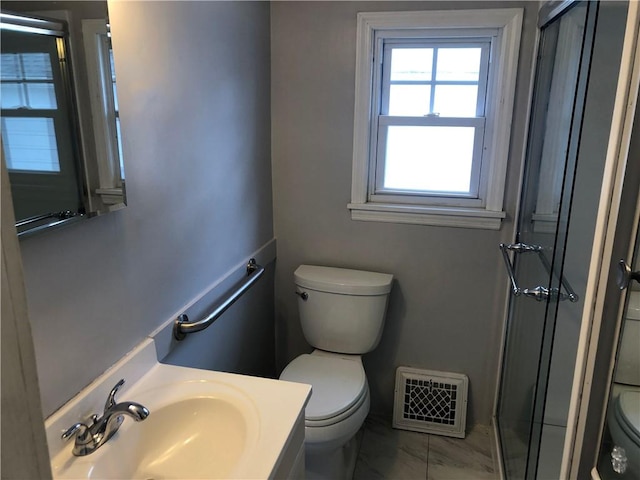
[241, 426]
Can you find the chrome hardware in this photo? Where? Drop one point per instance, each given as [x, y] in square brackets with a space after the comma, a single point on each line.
[539, 293]
[111, 399]
[57, 218]
[54, 219]
[100, 429]
[303, 295]
[83, 436]
[619, 460]
[625, 275]
[65, 215]
[182, 326]
[522, 247]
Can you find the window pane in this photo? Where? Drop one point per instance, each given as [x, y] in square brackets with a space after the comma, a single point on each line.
[429, 159]
[41, 96]
[458, 64]
[411, 64]
[30, 144]
[112, 66]
[120, 148]
[10, 67]
[37, 66]
[115, 97]
[32, 70]
[12, 96]
[455, 100]
[409, 100]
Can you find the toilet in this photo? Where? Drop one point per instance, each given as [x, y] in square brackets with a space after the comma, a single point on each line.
[623, 416]
[342, 314]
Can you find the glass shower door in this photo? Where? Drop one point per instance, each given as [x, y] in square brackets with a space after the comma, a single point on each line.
[534, 262]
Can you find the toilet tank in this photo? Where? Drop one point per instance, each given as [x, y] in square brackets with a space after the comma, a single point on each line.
[628, 365]
[342, 310]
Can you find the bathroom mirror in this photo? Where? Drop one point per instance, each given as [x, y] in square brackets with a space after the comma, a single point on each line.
[60, 123]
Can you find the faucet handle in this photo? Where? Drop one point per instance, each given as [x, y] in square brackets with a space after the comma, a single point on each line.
[111, 399]
[80, 430]
[85, 442]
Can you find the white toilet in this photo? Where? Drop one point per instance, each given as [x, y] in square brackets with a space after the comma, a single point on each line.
[342, 313]
[623, 416]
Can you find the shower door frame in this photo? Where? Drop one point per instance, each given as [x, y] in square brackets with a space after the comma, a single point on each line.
[602, 315]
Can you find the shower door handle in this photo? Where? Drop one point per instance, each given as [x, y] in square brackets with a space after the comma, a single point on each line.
[625, 275]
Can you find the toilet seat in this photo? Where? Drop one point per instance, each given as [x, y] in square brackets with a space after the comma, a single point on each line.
[627, 413]
[339, 386]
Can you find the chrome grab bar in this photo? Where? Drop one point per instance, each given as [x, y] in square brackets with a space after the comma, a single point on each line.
[539, 293]
[182, 325]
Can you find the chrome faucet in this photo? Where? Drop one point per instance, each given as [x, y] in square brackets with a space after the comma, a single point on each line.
[98, 430]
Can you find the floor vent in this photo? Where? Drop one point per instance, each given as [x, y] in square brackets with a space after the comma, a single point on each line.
[430, 402]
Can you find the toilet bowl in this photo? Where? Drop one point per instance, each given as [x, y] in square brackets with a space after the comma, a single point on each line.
[342, 315]
[339, 401]
[623, 419]
[623, 414]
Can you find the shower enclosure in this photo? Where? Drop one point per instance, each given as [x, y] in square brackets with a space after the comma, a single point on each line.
[579, 53]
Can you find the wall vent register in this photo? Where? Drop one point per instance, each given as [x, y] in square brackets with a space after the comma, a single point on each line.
[430, 402]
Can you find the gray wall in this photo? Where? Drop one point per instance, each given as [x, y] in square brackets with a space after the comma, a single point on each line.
[447, 308]
[193, 84]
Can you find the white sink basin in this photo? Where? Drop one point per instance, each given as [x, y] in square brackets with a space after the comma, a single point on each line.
[200, 428]
[202, 424]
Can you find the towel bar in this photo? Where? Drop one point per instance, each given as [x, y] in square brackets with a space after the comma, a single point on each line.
[539, 293]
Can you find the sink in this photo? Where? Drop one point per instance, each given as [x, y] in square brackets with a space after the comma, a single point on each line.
[202, 424]
[164, 452]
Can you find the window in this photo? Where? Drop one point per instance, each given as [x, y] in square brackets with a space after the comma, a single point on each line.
[434, 97]
[29, 108]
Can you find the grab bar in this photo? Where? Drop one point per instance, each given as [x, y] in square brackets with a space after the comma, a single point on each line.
[540, 293]
[182, 326]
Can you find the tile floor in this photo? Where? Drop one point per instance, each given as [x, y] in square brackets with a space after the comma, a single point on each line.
[386, 453]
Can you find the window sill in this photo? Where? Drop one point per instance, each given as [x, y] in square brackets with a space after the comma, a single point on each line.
[422, 215]
[111, 196]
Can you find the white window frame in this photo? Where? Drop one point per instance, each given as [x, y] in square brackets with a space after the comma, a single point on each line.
[97, 46]
[503, 26]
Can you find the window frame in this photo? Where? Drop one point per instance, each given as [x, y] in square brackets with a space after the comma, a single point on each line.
[96, 37]
[483, 209]
[385, 42]
[57, 114]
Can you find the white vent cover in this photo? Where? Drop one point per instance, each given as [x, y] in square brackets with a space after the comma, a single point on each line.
[431, 402]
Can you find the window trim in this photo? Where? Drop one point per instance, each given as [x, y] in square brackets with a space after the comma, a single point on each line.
[104, 115]
[461, 23]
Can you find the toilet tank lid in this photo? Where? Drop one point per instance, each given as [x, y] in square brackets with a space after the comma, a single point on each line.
[342, 280]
